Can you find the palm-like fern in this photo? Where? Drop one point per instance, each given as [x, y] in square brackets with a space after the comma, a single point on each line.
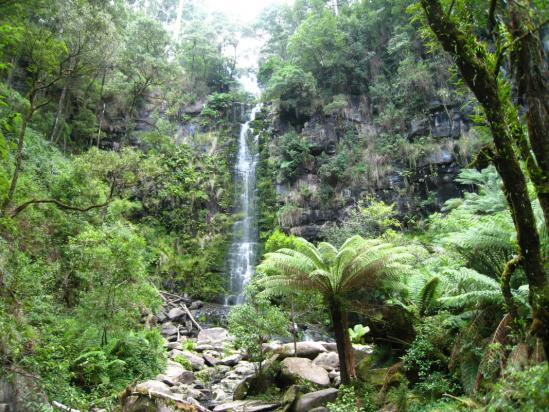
[334, 274]
[489, 197]
[487, 244]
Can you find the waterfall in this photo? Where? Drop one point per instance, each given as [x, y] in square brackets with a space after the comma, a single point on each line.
[243, 249]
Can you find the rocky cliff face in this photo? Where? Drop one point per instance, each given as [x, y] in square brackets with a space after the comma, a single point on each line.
[417, 175]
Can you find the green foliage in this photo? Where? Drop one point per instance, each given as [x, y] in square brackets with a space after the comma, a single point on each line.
[521, 390]
[183, 361]
[279, 240]
[358, 332]
[370, 217]
[356, 398]
[293, 89]
[256, 323]
[294, 153]
[426, 363]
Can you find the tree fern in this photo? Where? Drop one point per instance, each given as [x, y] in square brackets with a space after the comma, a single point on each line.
[489, 197]
[335, 274]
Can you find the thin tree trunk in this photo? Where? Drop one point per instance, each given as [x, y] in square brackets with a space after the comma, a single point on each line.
[343, 342]
[472, 63]
[59, 114]
[18, 156]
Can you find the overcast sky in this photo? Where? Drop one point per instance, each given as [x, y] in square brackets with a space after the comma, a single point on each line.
[244, 10]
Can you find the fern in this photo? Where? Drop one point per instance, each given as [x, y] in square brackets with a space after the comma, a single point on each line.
[426, 295]
[492, 360]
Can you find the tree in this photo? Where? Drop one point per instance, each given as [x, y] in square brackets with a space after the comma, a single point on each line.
[293, 89]
[480, 70]
[43, 52]
[335, 274]
[254, 324]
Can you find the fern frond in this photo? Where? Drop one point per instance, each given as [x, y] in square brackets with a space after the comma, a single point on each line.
[474, 298]
[493, 351]
[426, 295]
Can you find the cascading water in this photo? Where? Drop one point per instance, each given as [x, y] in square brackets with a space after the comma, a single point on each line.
[242, 253]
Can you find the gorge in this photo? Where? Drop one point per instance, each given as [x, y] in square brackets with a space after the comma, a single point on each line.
[274, 205]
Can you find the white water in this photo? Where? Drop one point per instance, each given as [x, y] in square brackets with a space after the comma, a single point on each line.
[243, 250]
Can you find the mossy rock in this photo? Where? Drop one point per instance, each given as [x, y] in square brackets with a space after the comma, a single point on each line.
[364, 367]
[379, 377]
[290, 397]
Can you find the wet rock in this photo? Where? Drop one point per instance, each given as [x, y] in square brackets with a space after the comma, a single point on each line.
[296, 369]
[327, 360]
[314, 399]
[246, 406]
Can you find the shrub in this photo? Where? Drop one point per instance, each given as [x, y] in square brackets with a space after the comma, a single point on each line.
[255, 324]
[522, 390]
[353, 399]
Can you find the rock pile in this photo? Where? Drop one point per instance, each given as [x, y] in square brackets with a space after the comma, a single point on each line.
[205, 373]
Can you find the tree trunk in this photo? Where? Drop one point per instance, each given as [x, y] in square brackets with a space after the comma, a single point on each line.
[18, 156]
[59, 114]
[472, 63]
[343, 341]
[532, 81]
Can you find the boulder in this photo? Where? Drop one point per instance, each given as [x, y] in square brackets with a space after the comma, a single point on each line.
[174, 345]
[197, 304]
[295, 369]
[161, 316]
[327, 360]
[166, 379]
[312, 400]
[304, 350]
[320, 409]
[169, 329]
[246, 406]
[174, 371]
[197, 361]
[153, 388]
[176, 314]
[231, 360]
[203, 348]
[330, 346]
[210, 360]
[213, 336]
[271, 347]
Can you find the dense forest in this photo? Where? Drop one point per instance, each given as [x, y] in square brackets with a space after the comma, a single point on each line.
[342, 205]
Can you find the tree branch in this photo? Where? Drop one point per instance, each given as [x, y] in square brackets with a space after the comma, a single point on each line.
[62, 205]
